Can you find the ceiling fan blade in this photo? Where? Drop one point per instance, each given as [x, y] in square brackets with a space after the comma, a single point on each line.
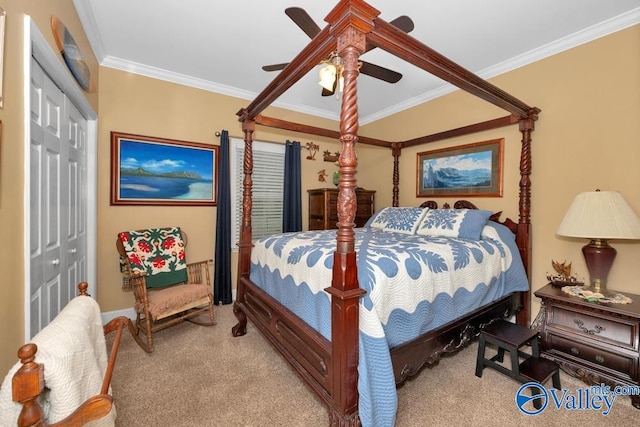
[302, 19]
[274, 67]
[403, 23]
[379, 72]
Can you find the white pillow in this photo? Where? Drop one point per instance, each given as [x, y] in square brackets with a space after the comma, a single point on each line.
[462, 223]
[399, 220]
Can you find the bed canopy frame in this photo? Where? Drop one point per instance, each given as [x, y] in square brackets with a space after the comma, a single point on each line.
[330, 368]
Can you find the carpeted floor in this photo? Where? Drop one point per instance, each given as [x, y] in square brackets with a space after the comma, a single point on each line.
[202, 376]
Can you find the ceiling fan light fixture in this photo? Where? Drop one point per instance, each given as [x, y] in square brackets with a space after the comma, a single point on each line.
[327, 76]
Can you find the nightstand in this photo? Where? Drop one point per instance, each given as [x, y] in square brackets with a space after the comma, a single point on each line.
[595, 342]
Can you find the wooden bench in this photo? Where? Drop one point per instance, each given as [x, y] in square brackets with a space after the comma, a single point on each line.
[28, 382]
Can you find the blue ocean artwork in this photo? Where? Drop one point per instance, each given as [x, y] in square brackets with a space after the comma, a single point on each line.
[160, 171]
[462, 171]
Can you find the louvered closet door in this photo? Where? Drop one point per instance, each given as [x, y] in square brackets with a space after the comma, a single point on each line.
[57, 159]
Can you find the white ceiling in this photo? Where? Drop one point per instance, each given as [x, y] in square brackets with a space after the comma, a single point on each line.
[221, 46]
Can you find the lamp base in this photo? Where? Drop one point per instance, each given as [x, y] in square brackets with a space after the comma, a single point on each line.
[599, 257]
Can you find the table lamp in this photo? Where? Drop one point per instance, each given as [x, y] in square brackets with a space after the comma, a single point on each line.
[599, 216]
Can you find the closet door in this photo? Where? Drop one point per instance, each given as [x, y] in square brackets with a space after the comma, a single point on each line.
[57, 159]
[75, 200]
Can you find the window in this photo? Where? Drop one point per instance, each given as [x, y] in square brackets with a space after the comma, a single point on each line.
[268, 184]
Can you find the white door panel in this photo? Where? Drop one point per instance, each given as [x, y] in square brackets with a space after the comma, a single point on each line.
[76, 235]
[58, 168]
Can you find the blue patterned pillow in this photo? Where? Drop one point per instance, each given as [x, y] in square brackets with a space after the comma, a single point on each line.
[463, 223]
[399, 220]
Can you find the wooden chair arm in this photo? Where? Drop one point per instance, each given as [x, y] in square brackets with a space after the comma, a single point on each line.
[115, 324]
[138, 284]
[118, 324]
[198, 272]
[200, 264]
[28, 382]
[92, 409]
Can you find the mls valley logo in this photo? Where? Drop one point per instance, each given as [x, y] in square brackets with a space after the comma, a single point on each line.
[533, 398]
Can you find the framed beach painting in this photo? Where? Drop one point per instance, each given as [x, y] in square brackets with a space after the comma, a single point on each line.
[147, 170]
[466, 170]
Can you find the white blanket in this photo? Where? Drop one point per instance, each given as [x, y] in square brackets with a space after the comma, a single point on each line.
[73, 350]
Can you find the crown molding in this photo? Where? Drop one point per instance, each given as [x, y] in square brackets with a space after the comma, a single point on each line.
[86, 14]
[587, 35]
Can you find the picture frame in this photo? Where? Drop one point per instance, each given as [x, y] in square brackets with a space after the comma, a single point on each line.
[3, 21]
[471, 170]
[148, 170]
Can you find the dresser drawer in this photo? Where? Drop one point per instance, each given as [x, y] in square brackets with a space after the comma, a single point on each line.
[619, 331]
[364, 210]
[316, 224]
[364, 197]
[619, 362]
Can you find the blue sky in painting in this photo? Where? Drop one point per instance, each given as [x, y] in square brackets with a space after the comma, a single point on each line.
[155, 157]
[481, 160]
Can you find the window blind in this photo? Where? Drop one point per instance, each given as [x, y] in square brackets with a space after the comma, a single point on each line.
[268, 185]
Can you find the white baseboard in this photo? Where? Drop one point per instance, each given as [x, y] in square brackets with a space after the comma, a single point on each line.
[109, 315]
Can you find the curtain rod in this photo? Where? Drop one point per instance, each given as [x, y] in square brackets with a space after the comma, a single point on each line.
[218, 134]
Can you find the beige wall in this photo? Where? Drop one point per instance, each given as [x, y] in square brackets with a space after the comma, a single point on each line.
[12, 156]
[587, 138]
[134, 104]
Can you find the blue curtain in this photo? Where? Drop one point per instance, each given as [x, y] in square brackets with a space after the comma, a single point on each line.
[222, 273]
[292, 197]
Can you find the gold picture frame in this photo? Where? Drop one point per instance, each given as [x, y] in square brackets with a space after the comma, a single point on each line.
[472, 170]
[147, 170]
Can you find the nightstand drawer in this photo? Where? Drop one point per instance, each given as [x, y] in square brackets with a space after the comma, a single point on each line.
[597, 343]
[597, 356]
[619, 331]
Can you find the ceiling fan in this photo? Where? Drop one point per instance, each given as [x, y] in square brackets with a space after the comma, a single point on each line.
[333, 67]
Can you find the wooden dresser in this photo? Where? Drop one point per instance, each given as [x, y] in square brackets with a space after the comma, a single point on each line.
[595, 342]
[323, 212]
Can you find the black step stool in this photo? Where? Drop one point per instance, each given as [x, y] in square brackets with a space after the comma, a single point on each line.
[507, 336]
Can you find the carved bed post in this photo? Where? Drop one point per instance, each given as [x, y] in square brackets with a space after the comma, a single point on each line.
[244, 252]
[524, 223]
[396, 151]
[349, 22]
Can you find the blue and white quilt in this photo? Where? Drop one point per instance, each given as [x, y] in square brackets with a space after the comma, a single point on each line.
[414, 283]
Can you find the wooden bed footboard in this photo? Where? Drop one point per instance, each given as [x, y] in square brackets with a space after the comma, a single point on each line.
[28, 382]
[310, 353]
[302, 346]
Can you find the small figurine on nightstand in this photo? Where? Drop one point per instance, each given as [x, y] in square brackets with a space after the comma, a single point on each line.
[563, 276]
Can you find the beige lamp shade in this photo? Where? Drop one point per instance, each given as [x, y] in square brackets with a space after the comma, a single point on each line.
[600, 215]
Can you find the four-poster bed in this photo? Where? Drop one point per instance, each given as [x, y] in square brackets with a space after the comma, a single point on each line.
[330, 366]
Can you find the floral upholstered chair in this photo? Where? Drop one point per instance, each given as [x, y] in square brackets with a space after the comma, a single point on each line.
[167, 289]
